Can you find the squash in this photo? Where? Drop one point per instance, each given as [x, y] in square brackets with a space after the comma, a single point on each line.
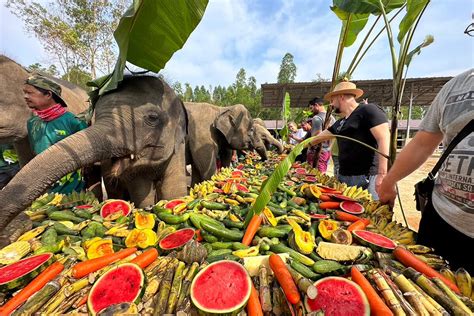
[299, 239]
[144, 220]
[326, 227]
[100, 248]
[142, 238]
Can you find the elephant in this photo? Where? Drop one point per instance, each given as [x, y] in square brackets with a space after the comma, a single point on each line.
[213, 132]
[263, 138]
[141, 126]
[15, 112]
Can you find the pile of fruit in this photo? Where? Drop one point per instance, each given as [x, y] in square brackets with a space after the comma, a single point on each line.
[318, 247]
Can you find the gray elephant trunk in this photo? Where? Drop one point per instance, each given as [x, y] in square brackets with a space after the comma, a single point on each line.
[78, 150]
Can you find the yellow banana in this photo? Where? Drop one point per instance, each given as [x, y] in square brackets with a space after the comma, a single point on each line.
[463, 280]
[231, 202]
[448, 273]
[302, 214]
[32, 233]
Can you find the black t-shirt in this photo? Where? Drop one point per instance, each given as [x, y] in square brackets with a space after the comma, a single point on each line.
[355, 159]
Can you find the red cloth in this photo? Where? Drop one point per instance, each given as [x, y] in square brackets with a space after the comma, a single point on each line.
[50, 113]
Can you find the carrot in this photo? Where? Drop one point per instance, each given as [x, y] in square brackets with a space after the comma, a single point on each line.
[82, 301]
[254, 308]
[199, 237]
[251, 230]
[146, 258]
[284, 279]
[377, 305]
[359, 225]
[406, 257]
[329, 205]
[325, 198]
[34, 286]
[346, 217]
[84, 268]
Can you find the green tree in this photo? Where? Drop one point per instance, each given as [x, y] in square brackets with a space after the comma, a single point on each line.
[78, 76]
[37, 67]
[74, 32]
[287, 72]
[188, 93]
[178, 89]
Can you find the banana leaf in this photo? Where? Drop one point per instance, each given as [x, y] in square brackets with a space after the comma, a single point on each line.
[286, 116]
[414, 8]
[149, 33]
[417, 50]
[270, 185]
[354, 23]
[368, 6]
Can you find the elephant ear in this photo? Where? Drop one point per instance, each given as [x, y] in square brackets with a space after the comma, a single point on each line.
[228, 121]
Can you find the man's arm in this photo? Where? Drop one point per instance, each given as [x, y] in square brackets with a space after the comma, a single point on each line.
[323, 136]
[408, 160]
[381, 134]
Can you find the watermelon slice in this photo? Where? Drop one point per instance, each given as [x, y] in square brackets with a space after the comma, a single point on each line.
[223, 287]
[114, 206]
[375, 241]
[341, 197]
[84, 207]
[352, 207]
[237, 174]
[122, 284]
[319, 216]
[177, 239]
[310, 179]
[19, 273]
[300, 171]
[171, 204]
[338, 297]
[242, 188]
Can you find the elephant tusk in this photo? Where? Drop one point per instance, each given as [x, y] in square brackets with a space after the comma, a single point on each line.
[132, 156]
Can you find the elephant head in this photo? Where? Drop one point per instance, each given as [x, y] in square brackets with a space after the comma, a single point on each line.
[263, 139]
[15, 112]
[235, 123]
[142, 122]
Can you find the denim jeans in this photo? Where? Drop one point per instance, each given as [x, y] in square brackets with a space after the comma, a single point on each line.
[363, 181]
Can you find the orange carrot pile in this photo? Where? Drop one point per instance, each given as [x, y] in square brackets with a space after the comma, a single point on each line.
[34, 286]
[410, 260]
[251, 230]
[346, 217]
[254, 308]
[359, 225]
[284, 279]
[377, 305]
[329, 205]
[146, 258]
[84, 268]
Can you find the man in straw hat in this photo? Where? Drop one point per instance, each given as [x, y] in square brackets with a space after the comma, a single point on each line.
[50, 123]
[359, 165]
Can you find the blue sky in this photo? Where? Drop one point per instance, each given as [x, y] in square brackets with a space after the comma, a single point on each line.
[255, 35]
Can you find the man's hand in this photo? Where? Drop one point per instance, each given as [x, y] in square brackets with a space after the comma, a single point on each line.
[386, 190]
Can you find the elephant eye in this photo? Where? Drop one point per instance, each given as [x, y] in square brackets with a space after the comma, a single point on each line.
[152, 118]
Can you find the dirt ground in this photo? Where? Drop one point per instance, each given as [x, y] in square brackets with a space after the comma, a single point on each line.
[406, 189]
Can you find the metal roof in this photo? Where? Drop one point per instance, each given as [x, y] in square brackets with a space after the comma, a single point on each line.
[422, 90]
[402, 124]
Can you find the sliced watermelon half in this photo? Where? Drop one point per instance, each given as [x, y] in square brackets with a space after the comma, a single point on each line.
[115, 206]
[19, 273]
[84, 207]
[338, 297]
[122, 284]
[171, 204]
[237, 174]
[300, 171]
[177, 239]
[222, 288]
[319, 216]
[375, 241]
[241, 188]
[352, 207]
[310, 179]
[341, 197]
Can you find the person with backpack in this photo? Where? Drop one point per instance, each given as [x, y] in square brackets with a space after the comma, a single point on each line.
[317, 126]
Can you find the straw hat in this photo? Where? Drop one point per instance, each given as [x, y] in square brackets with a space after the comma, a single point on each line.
[344, 87]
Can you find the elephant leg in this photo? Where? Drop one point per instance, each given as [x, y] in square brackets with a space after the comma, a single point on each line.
[142, 191]
[205, 163]
[173, 183]
[226, 157]
[19, 225]
[195, 175]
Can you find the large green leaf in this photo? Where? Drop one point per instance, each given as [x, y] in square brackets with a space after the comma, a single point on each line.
[417, 50]
[367, 6]
[149, 33]
[271, 184]
[414, 8]
[286, 111]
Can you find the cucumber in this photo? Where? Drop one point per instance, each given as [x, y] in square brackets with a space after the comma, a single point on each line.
[228, 256]
[196, 219]
[61, 229]
[65, 216]
[173, 219]
[221, 245]
[284, 203]
[327, 267]
[223, 232]
[277, 211]
[313, 255]
[305, 271]
[312, 207]
[193, 204]
[213, 205]
[51, 208]
[207, 246]
[219, 252]
[294, 205]
[280, 248]
[83, 214]
[231, 224]
[239, 246]
[313, 229]
[49, 237]
[210, 238]
[264, 246]
[277, 231]
[287, 191]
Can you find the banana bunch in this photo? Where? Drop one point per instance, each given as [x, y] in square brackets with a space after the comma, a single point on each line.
[118, 231]
[201, 190]
[357, 193]
[393, 230]
[462, 279]
[380, 211]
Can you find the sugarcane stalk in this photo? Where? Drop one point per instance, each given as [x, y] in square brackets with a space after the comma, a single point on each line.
[386, 292]
[162, 297]
[76, 286]
[279, 301]
[175, 288]
[440, 309]
[264, 289]
[54, 302]
[161, 266]
[452, 296]
[398, 294]
[188, 279]
[67, 304]
[404, 284]
[152, 287]
[467, 301]
[413, 299]
[432, 290]
[305, 285]
[35, 302]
